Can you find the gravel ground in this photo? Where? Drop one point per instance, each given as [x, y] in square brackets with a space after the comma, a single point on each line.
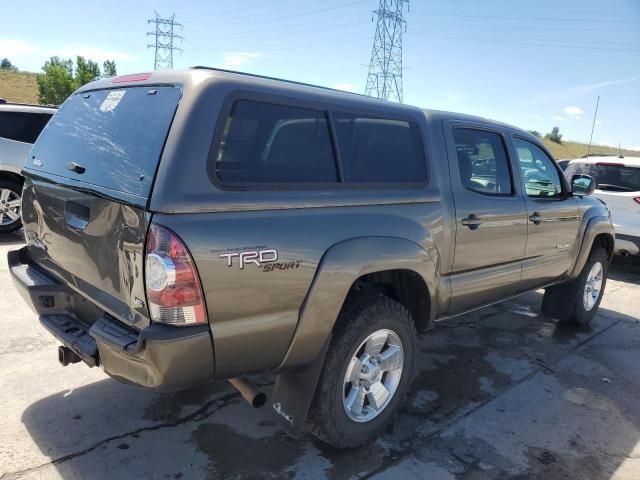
[501, 393]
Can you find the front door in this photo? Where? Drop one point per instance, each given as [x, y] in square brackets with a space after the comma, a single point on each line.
[553, 217]
[491, 217]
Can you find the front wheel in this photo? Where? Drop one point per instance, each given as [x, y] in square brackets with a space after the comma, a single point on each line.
[577, 302]
[367, 371]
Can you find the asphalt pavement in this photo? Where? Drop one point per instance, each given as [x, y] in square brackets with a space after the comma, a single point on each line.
[503, 393]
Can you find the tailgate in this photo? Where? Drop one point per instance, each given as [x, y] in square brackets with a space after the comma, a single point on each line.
[87, 185]
[93, 244]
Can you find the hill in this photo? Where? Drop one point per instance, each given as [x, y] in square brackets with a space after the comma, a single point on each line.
[19, 87]
[577, 150]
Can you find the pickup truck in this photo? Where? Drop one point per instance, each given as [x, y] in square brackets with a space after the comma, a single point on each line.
[185, 226]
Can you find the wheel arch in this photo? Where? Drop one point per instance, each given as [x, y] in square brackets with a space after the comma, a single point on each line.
[389, 263]
[598, 231]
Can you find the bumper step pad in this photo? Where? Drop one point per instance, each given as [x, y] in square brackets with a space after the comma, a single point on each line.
[74, 334]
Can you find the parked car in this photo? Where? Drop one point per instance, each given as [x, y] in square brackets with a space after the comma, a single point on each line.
[184, 226]
[617, 184]
[20, 126]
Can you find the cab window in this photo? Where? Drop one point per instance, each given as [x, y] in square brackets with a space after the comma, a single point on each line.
[539, 173]
[482, 161]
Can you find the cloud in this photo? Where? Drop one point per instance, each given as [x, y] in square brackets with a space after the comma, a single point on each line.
[92, 52]
[560, 119]
[595, 86]
[599, 122]
[574, 113]
[347, 87]
[13, 48]
[239, 59]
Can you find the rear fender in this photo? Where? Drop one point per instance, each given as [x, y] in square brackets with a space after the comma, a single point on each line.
[340, 267]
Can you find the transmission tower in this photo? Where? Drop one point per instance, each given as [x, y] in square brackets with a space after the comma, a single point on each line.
[385, 68]
[164, 37]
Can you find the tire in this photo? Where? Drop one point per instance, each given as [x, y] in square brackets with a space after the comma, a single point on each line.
[364, 314]
[10, 191]
[583, 311]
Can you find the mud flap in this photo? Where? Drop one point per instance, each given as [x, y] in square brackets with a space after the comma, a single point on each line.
[560, 300]
[293, 393]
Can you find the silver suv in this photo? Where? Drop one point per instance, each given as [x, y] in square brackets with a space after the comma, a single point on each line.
[20, 126]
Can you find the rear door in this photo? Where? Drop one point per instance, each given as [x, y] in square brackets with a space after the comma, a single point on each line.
[553, 218]
[88, 180]
[491, 217]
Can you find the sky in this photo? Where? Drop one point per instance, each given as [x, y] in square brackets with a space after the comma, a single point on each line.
[535, 64]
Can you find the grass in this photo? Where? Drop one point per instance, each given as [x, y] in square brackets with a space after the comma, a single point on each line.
[577, 150]
[18, 87]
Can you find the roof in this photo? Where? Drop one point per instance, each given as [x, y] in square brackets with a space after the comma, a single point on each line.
[24, 107]
[196, 75]
[626, 161]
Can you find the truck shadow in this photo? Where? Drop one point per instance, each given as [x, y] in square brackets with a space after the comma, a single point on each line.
[465, 365]
[15, 238]
[625, 269]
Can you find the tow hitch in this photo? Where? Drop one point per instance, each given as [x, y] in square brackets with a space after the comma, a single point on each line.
[67, 356]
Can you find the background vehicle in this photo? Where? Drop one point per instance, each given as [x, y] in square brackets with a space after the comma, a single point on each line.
[617, 184]
[190, 225]
[20, 126]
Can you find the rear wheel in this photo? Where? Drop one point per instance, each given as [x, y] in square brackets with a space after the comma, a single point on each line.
[367, 371]
[10, 205]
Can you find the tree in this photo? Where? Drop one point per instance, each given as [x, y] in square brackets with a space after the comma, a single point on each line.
[5, 64]
[86, 71]
[56, 83]
[109, 69]
[60, 79]
[535, 133]
[555, 135]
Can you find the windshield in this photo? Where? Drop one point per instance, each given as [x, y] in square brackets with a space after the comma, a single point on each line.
[108, 138]
[609, 176]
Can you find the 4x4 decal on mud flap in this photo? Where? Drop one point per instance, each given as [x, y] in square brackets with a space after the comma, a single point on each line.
[277, 407]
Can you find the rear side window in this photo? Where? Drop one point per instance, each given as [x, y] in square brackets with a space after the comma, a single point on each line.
[609, 176]
[264, 143]
[22, 126]
[482, 161]
[378, 150]
[117, 136]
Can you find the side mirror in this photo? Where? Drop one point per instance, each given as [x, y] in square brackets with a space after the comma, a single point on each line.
[582, 185]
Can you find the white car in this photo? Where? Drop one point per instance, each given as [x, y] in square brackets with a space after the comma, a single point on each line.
[20, 126]
[618, 185]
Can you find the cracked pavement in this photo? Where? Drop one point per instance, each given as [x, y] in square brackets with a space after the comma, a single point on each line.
[500, 393]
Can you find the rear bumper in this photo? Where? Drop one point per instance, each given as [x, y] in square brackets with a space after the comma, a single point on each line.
[627, 244]
[159, 356]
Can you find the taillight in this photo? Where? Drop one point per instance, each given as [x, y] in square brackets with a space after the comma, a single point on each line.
[636, 199]
[173, 288]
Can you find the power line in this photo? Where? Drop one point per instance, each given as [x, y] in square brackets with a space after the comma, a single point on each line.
[385, 67]
[527, 43]
[164, 37]
[529, 19]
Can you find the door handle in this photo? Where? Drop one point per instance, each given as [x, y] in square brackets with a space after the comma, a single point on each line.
[536, 218]
[472, 221]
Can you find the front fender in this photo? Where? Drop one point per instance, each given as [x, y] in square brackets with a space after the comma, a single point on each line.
[339, 268]
[592, 226]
